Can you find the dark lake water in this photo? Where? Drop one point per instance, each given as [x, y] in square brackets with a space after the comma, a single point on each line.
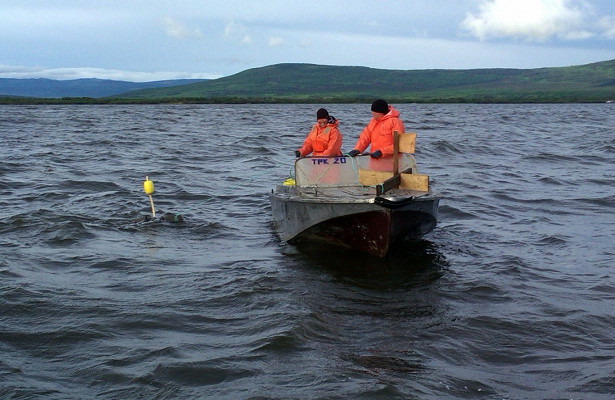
[512, 296]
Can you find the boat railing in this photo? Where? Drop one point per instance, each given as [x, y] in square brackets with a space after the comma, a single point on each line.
[345, 170]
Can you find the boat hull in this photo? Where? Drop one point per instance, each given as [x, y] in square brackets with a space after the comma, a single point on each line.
[369, 226]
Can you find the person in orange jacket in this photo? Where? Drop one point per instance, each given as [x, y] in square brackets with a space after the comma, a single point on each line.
[324, 138]
[378, 134]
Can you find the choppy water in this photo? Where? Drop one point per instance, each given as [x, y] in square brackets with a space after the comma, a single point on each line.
[511, 297]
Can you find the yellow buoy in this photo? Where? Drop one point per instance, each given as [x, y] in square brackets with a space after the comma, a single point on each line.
[148, 186]
[289, 182]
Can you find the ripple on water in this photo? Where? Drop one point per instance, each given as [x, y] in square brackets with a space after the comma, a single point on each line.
[507, 298]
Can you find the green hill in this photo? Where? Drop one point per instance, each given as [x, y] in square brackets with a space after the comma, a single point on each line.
[318, 83]
[89, 87]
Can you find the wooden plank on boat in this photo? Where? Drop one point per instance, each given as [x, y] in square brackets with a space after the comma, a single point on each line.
[370, 178]
[418, 182]
[387, 180]
[406, 142]
[391, 183]
[395, 152]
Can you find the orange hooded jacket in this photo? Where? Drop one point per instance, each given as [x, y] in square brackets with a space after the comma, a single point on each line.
[325, 141]
[379, 133]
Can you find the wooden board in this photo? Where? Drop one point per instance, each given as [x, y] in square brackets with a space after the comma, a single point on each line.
[370, 178]
[415, 182]
[391, 183]
[406, 142]
[418, 182]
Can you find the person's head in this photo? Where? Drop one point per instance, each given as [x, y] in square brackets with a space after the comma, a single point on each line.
[379, 108]
[322, 117]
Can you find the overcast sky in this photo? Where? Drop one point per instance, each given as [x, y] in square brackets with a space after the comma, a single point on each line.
[144, 40]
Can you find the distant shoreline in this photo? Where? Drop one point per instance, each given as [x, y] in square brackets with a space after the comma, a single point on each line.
[311, 84]
[124, 101]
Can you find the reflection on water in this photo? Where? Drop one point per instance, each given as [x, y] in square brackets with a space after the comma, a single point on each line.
[415, 263]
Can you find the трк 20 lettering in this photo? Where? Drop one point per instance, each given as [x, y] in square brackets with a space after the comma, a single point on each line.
[334, 160]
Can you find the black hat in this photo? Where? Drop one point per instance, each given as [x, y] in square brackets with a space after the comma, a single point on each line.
[322, 113]
[380, 106]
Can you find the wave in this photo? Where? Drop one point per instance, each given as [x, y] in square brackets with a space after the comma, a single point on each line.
[107, 304]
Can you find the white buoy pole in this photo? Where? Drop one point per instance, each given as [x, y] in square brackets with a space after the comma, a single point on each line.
[151, 202]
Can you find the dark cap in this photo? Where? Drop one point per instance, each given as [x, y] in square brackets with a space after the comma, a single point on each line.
[380, 106]
[322, 113]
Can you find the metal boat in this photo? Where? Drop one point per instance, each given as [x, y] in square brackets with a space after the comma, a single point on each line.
[369, 205]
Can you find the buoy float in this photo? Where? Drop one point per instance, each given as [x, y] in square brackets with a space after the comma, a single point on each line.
[289, 182]
[148, 188]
